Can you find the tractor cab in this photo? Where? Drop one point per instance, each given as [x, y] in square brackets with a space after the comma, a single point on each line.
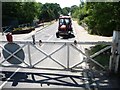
[64, 27]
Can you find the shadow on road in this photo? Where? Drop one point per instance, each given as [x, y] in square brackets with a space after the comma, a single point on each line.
[83, 80]
[42, 78]
[68, 37]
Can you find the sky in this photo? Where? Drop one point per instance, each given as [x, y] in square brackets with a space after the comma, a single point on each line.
[63, 3]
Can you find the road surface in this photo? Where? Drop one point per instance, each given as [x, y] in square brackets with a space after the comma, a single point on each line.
[40, 78]
[48, 34]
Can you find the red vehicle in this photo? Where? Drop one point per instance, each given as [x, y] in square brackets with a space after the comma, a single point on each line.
[65, 27]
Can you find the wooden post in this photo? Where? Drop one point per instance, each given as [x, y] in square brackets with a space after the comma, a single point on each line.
[115, 57]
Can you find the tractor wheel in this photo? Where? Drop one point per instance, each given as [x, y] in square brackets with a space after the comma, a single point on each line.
[57, 35]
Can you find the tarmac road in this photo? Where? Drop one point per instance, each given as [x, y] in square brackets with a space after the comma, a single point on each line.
[39, 78]
[48, 34]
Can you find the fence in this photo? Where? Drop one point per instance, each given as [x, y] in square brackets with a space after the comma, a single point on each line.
[33, 54]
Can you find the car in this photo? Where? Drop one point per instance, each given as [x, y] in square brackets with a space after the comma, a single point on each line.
[65, 27]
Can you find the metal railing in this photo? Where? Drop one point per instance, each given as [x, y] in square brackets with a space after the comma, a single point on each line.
[37, 45]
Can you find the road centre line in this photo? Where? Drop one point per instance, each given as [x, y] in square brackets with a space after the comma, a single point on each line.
[29, 35]
[3, 84]
[36, 32]
[47, 40]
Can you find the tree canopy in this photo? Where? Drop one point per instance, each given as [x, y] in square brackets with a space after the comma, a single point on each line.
[65, 11]
[49, 11]
[101, 17]
[25, 12]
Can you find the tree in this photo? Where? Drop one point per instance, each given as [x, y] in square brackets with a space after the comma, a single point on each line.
[23, 12]
[74, 11]
[49, 11]
[9, 12]
[26, 12]
[66, 10]
[101, 18]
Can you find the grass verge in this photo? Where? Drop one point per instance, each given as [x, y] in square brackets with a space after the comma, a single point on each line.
[103, 58]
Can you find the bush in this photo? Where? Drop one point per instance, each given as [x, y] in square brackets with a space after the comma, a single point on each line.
[102, 58]
[80, 22]
[101, 18]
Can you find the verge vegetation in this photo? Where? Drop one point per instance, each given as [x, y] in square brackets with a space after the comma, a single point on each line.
[102, 58]
[100, 17]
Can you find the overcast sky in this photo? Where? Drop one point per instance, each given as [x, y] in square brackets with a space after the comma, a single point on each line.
[63, 3]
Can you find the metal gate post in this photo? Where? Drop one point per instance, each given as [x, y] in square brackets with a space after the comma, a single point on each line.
[68, 54]
[33, 37]
[29, 55]
[115, 57]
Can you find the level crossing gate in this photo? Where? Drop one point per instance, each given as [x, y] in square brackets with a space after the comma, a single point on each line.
[33, 54]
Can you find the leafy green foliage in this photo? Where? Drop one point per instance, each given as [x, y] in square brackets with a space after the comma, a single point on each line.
[23, 12]
[65, 11]
[101, 18]
[102, 58]
[26, 12]
[49, 11]
[74, 11]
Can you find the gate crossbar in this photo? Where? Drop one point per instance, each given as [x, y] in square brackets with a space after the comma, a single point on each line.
[88, 57]
[59, 42]
[13, 54]
[64, 43]
[49, 55]
[101, 51]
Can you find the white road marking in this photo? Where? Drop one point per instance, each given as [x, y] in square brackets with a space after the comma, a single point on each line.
[79, 46]
[3, 84]
[74, 27]
[84, 64]
[26, 36]
[47, 40]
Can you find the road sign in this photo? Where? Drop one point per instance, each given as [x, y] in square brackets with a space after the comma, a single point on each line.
[13, 53]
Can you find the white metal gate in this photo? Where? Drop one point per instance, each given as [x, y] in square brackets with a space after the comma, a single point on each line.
[24, 50]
